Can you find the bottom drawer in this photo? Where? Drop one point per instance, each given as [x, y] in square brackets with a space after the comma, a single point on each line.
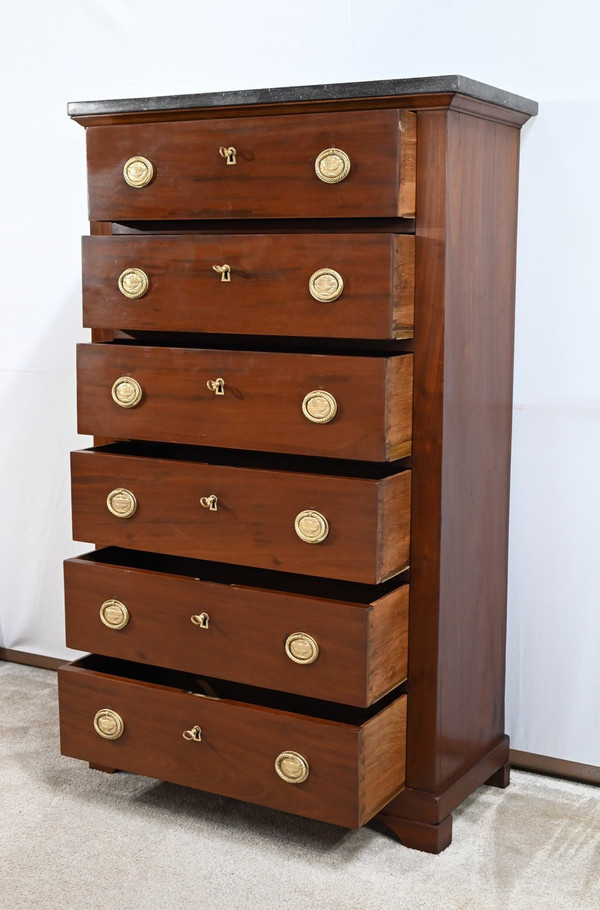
[335, 764]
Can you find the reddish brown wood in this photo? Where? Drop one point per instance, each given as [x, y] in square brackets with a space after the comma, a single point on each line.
[240, 742]
[419, 835]
[268, 293]
[254, 523]
[274, 175]
[500, 778]
[30, 660]
[261, 407]
[248, 627]
[105, 770]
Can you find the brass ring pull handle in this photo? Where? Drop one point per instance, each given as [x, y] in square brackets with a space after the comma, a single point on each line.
[311, 526]
[209, 502]
[138, 171]
[133, 283]
[224, 271]
[126, 392]
[216, 385]
[302, 648]
[332, 165]
[229, 153]
[201, 620]
[114, 614]
[319, 406]
[121, 503]
[326, 285]
[108, 724]
[292, 767]
[194, 734]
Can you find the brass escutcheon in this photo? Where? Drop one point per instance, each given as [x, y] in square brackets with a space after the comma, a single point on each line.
[292, 767]
[126, 392]
[224, 271]
[201, 620]
[216, 385]
[108, 724]
[332, 165]
[302, 648]
[311, 526]
[209, 502]
[229, 153]
[114, 614]
[138, 171]
[326, 285]
[319, 406]
[121, 503]
[194, 734]
[133, 283]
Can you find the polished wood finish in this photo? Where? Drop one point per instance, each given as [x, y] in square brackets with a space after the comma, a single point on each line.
[261, 408]
[248, 627]
[254, 523]
[419, 835]
[274, 176]
[268, 293]
[353, 766]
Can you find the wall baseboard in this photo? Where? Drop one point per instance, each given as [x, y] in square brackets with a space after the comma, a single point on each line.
[555, 767]
[31, 660]
[524, 761]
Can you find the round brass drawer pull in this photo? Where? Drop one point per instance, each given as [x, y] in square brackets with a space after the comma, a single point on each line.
[319, 406]
[126, 392]
[302, 648]
[133, 283]
[138, 171]
[108, 724]
[114, 614]
[292, 767]
[311, 527]
[121, 503]
[326, 285]
[332, 165]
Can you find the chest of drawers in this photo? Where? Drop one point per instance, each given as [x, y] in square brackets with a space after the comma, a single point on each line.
[299, 384]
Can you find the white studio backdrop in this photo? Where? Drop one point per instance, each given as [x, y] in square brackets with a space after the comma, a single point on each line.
[72, 50]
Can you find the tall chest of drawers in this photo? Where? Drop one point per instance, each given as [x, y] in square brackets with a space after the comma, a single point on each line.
[299, 384]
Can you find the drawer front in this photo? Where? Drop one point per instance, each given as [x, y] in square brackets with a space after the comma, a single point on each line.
[310, 285]
[274, 174]
[253, 517]
[268, 401]
[310, 646]
[352, 770]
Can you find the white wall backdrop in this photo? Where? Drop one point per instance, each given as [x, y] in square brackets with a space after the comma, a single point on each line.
[67, 50]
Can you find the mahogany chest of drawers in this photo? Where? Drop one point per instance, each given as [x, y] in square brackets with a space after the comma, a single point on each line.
[299, 384]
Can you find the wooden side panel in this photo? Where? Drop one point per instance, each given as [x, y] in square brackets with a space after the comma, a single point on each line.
[274, 175]
[254, 522]
[382, 767]
[408, 164]
[388, 642]
[398, 407]
[393, 532]
[261, 405]
[403, 286]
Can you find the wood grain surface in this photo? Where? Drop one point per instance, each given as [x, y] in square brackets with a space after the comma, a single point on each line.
[274, 175]
[240, 742]
[261, 408]
[268, 293]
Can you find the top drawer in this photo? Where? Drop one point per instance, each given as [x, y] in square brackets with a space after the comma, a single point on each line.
[183, 169]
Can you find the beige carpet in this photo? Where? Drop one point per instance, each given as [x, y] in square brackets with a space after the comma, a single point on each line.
[74, 838]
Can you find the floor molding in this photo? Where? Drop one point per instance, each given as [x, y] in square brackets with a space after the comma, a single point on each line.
[555, 767]
[525, 761]
[31, 660]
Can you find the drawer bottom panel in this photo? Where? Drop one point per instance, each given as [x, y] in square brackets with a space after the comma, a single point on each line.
[174, 733]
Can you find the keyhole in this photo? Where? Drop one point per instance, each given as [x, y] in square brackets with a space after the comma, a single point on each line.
[201, 620]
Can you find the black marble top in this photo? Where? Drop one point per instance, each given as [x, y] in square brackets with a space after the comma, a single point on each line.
[343, 90]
